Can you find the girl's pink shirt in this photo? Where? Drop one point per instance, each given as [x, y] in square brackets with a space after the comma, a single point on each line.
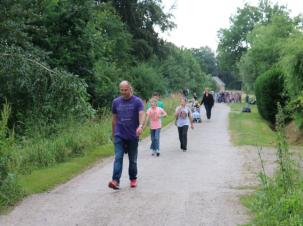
[155, 117]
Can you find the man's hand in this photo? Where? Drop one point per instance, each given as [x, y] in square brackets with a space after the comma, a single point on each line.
[139, 130]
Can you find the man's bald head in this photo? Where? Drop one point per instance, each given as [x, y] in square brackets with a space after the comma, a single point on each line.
[124, 83]
[126, 90]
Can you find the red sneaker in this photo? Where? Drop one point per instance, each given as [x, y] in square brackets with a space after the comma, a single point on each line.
[133, 183]
[113, 184]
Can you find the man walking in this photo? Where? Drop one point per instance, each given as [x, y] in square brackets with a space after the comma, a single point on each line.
[127, 124]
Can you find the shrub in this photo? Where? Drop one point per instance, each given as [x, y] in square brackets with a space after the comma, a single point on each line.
[269, 89]
[292, 64]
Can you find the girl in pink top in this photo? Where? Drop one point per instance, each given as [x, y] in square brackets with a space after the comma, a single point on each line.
[153, 115]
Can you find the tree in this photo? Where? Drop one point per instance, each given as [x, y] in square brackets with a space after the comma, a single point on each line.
[181, 70]
[141, 18]
[234, 43]
[207, 60]
[38, 94]
[265, 48]
[66, 38]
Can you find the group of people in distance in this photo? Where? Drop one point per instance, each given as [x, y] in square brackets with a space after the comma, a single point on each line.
[129, 120]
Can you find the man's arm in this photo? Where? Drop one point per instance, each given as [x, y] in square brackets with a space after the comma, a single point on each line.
[114, 121]
[141, 122]
[141, 118]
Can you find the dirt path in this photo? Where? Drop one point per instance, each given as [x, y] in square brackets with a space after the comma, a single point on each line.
[199, 187]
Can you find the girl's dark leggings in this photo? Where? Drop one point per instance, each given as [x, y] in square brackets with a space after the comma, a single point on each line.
[183, 137]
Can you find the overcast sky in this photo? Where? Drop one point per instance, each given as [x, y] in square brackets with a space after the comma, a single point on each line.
[199, 20]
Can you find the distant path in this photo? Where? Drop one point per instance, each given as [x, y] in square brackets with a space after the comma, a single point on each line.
[199, 187]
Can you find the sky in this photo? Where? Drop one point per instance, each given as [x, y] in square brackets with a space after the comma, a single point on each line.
[198, 21]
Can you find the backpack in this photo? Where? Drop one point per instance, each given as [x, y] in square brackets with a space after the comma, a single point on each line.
[246, 109]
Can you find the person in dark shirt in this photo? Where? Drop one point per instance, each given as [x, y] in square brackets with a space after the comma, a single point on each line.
[208, 101]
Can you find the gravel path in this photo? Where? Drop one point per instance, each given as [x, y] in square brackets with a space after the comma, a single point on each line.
[199, 187]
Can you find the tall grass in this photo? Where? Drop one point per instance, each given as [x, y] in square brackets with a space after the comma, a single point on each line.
[10, 191]
[279, 200]
[37, 150]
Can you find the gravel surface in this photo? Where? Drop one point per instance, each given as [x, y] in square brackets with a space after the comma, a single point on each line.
[202, 186]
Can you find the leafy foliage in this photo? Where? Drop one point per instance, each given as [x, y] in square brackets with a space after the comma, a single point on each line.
[243, 47]
[269, 92]
[37, 93]
[279, 199]
[292, 63]
[233, 41]
[182, 70]
[10, 191]
[266, 42]
[146, 81]
[206, 59]
[141, 18]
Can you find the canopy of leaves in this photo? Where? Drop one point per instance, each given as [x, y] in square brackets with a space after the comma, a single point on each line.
[234, 41]
[265, 51]
[142, 18]
[207, 60]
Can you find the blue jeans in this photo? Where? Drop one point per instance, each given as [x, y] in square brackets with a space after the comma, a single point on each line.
[121, 146]
[155, 139]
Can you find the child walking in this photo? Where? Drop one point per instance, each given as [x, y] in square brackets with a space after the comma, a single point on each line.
[183, 120]
[153, 115]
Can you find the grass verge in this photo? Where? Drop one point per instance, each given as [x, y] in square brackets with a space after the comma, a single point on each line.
[249, 128]
[279, 199]
[43, 179]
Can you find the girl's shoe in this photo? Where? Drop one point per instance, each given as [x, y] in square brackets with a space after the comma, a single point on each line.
[133, 183]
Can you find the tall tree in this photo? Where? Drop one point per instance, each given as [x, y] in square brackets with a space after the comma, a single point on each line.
[233, 41]
[142, 18]
[265, 47]
[207, 60]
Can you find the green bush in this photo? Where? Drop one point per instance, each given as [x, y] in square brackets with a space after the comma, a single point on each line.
[292, 64]
[269, 90]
